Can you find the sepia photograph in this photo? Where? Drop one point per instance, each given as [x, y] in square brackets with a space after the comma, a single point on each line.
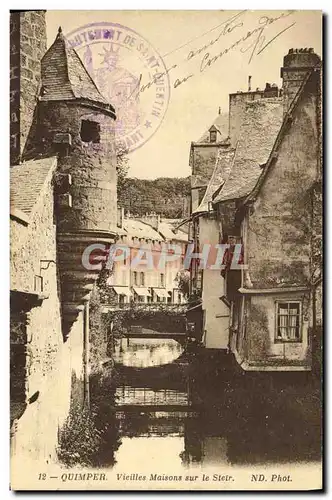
[166, 250]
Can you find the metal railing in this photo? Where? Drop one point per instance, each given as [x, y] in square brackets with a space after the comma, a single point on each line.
[148, 306]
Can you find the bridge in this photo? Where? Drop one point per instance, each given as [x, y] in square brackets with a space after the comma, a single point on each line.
[154, 320]
[147, 306]
[138, 332]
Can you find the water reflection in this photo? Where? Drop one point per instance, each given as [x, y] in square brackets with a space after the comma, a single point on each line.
[190, 412]
[203, 415]
[147, 352]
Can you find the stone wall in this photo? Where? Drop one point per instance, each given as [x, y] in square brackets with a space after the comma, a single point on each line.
[14, 87]
[27, 46]
[34, 242]
[49, 362]
[279, 245]
[92, 165]
[261, 347]
[296, 65]
[237, 107]
[203, 160]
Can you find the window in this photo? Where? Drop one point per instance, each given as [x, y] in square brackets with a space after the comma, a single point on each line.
[135, 278]
[213, 136]
[90, 131]
[288, 327]
[162, 280]
[142, 279]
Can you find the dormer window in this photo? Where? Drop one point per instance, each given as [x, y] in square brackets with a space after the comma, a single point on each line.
[213, 136]
[90, 131]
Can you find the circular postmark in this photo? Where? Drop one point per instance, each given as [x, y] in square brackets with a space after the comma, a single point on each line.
[131, 76]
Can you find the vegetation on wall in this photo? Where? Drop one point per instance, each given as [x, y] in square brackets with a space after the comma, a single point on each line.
[90, 435]
[165, 195]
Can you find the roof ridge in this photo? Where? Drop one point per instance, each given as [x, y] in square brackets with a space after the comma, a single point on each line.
[69, 48]
[212, 180]
[277, 142]
[260, 126]
[43, 170]
[62, 39]
[65, 77]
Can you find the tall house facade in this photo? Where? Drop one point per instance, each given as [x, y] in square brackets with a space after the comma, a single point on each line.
[149, 277]
[271, 204]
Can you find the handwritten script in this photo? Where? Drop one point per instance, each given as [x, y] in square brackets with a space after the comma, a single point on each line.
[252, 40]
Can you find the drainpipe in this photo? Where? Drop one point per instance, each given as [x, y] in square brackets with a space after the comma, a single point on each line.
[86, 349]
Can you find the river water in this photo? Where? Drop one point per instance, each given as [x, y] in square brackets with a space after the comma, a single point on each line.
[164, 408]
[175, 407]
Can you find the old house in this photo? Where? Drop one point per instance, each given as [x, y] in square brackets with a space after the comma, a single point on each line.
[142, 271]
[270, 203]
[211, 159]
[63, 198]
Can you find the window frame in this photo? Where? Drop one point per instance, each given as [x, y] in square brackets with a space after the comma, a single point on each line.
[93, 133]
[213, 136]
[288, 341]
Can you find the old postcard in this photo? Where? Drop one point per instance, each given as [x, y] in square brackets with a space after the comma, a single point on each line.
[166, 250]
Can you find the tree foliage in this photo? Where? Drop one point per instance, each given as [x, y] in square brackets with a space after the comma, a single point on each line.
[164, 195]
[183, 280]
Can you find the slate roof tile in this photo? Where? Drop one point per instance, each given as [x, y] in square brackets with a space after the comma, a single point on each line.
[139, 229]
[64, 75]
[27, 181]
[259, 130]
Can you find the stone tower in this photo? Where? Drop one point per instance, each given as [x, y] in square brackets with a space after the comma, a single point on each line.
[77, 124]
[27, 46]
[297, 64]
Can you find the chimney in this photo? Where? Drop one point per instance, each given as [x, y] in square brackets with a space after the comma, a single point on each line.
[152, 219]
[249, 83]
[271, 90]
[297, 64]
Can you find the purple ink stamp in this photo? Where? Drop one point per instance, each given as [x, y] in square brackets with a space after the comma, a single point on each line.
[130, 74]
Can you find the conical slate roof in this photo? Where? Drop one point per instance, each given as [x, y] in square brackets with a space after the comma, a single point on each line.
[64, 76]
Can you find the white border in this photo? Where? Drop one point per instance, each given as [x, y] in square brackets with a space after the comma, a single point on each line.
[324, 5]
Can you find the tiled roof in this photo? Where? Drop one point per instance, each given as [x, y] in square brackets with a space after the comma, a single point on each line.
[27, 181]
[260, 127]
[64, 75]
[308, 80]
[167, 230]
[139, 229]
[220, 174]
[221, 123]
